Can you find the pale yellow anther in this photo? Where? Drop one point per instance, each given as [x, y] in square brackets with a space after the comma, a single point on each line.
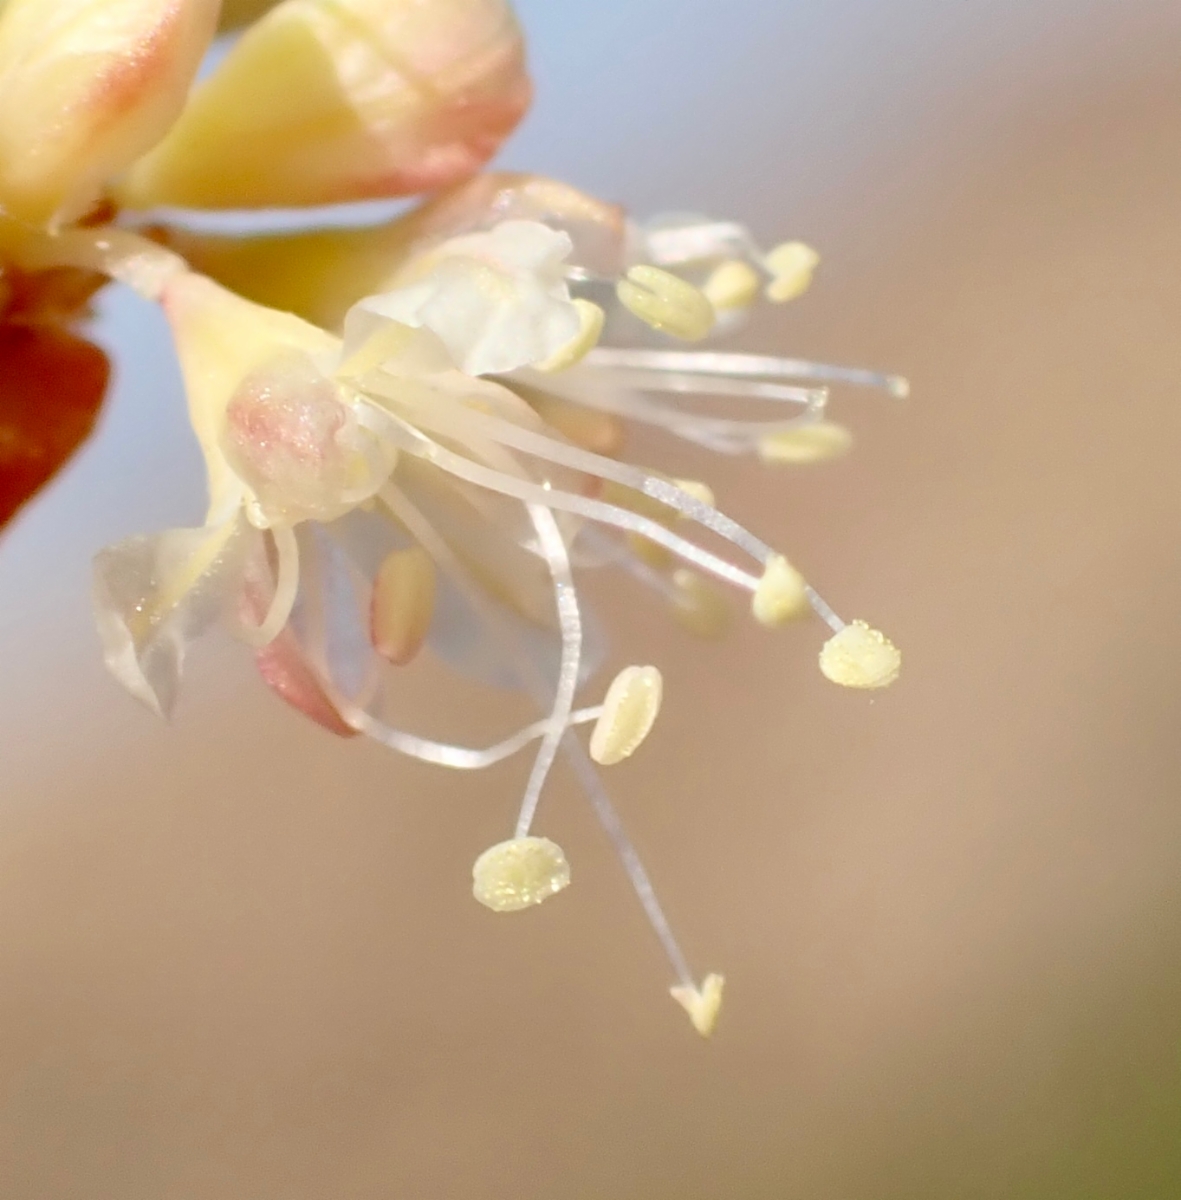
[402, 605]
[699, 606]
[519, 873]
[781, 594]
[629, 711]
[860, 657]
[576, 349]
[807, 444]
[701, 492]
[791, 265]
[702, 1004]
[666, 302]
[733, 284]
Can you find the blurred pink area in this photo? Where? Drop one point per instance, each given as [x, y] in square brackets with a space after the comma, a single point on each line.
[240, 958]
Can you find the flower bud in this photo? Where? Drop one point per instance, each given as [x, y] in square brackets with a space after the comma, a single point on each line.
[86, 86]
[324, 101]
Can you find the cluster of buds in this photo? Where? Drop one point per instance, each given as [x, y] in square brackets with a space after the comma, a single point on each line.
[413, 431]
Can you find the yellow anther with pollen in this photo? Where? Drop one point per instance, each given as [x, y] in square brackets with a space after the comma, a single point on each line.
[576, 349]
[701, 492]
[733, 284]
[403, 604]
[629, 711]
[860, 657]
[519, 873]
[807, 444]
[700, 607]
[702, 1004]
[791, 265]
[781, 595]
[666, 302]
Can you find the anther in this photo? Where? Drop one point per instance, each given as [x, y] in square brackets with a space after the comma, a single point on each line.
[402, 605]
[585, 340]
[629, 711]
[666, 302]
[807, 444]
[860, 657]
[701, 1003]
[791, 265]
[701, 492]
[519, 873]
[733, 284]
[781, 594]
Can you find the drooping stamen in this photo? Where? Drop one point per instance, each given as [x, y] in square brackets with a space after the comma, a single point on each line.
[604, 810]
[553, 550]
[808, 444]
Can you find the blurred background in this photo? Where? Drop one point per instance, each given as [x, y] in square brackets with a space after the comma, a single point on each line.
[239, 958]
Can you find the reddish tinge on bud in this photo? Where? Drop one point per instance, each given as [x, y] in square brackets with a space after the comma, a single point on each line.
[86, 86]
[324, 101]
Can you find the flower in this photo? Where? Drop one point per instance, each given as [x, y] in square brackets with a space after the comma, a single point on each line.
[365, 481]
[98, 114]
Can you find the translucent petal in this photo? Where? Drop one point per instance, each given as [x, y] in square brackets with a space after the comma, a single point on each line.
[154, 595]
[323, 101]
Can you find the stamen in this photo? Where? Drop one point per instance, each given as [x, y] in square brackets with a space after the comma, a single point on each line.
[733, 284]
[702, 1004]
[403, 604]
[583, 768]
[860, 657]
[807, 444]
[782, 594]
[519, 873]
[791, 265]
[743, 366]
[553, 549]
[415, 442]
[701, 492]
[592, 318]
[629, 712]
[286, 587]
[666, 302]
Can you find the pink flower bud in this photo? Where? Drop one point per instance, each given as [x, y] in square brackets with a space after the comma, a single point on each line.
[86, 86]
[324, 102]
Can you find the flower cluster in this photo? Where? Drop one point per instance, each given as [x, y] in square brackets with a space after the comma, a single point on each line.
[413, 432]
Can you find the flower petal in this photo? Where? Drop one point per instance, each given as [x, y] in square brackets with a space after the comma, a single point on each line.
[321, 274]
[325, 101]
[221, 339]
[497, 300]
[51, 386]
[153, 595]
[86, 86]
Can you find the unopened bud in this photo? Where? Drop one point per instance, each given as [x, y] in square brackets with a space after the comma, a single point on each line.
[86, 87]
[324, 101]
